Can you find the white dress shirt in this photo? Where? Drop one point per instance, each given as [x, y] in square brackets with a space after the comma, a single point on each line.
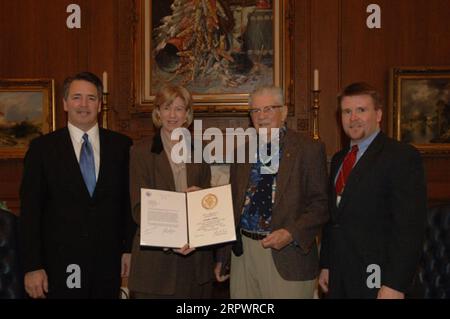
[76, 136]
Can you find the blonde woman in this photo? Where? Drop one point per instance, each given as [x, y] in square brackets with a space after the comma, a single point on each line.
[162, 272]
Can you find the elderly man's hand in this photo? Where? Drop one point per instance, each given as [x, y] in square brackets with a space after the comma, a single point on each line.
[277, 239]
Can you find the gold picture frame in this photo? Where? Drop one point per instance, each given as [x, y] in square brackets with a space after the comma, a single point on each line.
[27, 110]
[224, 71]
[419, 108]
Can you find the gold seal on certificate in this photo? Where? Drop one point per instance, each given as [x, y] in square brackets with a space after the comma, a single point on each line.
[209, 201]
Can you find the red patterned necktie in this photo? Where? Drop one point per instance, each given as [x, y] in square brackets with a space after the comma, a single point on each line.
[347, 165]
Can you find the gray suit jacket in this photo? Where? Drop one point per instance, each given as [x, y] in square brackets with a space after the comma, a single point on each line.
[300, 203]
[153, 271]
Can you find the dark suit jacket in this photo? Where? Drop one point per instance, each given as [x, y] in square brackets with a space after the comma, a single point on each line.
[300, 203]
[154, 271]
[380, 219]
[60, 224]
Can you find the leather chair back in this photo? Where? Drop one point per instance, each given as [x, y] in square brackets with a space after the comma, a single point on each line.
[11, 279]
[434, 272]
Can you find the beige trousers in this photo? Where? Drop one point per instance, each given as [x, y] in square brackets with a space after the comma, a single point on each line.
[254, 276]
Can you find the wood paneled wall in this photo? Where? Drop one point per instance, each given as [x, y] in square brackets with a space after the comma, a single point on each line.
[35, 43]
[330, 35]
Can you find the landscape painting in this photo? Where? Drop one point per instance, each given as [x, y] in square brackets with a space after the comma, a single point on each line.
[26, 112]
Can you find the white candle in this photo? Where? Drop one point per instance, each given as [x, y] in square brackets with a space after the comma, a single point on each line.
[316, 80]
[105, 82]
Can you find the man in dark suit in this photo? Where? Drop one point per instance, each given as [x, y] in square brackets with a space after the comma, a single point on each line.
[279, 210]
[371, 245]
[75, 221]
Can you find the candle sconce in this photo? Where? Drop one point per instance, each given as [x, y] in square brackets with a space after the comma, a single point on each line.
[105, 110]
[315, 111]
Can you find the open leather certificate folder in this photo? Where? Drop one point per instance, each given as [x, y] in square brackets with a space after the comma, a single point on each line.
[200, 218]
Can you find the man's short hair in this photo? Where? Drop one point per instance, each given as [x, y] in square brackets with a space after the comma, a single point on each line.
[274, 91]
[361, 88]
[83, 76]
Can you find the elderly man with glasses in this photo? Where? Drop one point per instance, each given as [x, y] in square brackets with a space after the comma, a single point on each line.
[278, 212]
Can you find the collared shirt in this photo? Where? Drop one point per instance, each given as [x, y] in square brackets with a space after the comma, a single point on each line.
[362, 148]
[76, 135]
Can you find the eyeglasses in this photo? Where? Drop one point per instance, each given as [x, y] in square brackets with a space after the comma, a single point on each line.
[270, 109]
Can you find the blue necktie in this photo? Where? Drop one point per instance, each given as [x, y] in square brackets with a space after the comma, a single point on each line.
[87, 164]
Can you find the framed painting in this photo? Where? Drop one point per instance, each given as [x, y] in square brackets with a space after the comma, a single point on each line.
[220, 50]
[420, 107]
[27, 110]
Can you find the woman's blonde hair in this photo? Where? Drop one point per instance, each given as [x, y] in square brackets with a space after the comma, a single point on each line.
[166, 96]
